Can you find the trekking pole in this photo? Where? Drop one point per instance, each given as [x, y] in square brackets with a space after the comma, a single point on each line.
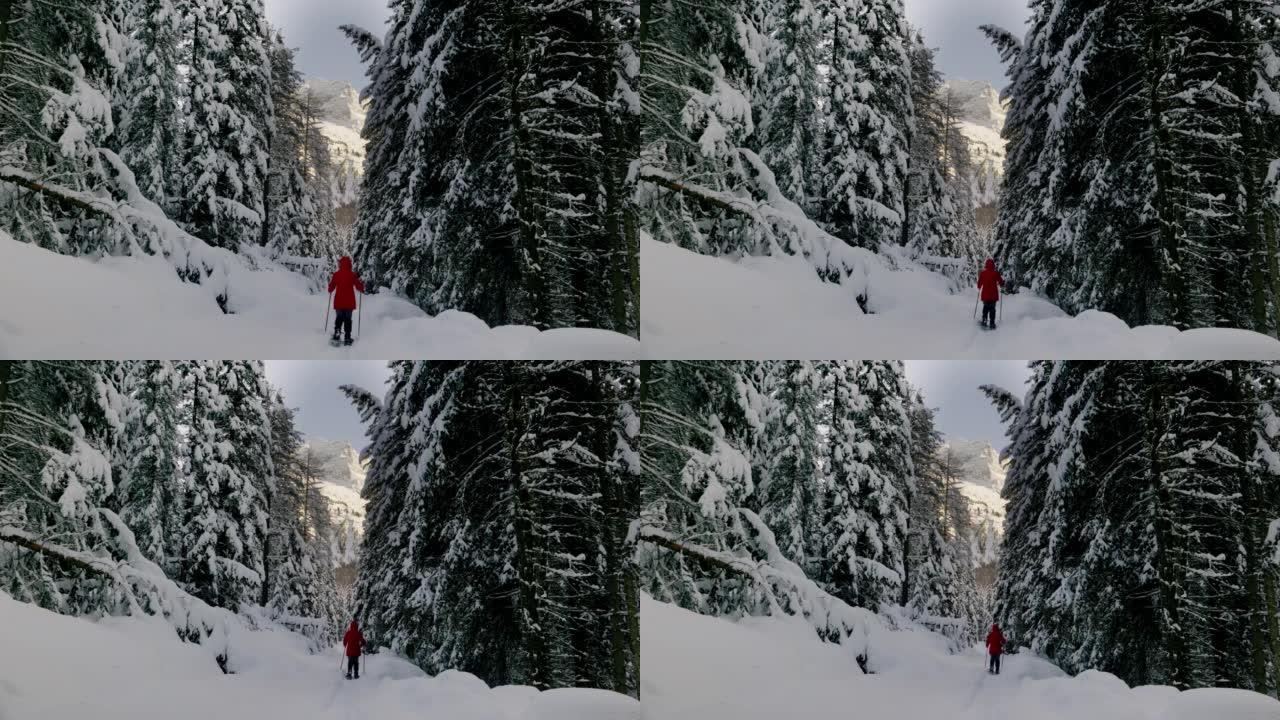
[1001, 308]
[976, 299]
[326, 311]
[359, 315]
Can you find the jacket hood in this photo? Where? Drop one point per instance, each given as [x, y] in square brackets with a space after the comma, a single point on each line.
[991, 264]
[345, 263]
[353, 626]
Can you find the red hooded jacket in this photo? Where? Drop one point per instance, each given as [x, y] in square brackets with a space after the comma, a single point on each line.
[343, 285]
[989, 282]
[353, 641]
[995, 640]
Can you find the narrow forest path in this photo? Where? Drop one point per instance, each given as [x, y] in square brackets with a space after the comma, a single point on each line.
[129, 307]
[698, 306]
[696, 667]
[57, 667]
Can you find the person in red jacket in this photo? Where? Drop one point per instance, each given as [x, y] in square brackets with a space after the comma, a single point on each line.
[353, 641]
[995, 647]
[344, 285]
[989, 283]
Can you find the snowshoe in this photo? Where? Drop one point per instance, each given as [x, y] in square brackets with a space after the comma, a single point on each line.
[335, 342]
[348, 342]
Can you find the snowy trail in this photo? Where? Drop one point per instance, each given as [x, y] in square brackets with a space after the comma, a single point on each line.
[58, 306]
[701, 668]
[63, 668]
[696, 306]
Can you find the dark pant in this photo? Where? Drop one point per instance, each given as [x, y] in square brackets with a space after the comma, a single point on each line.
[995, 663]
[989, 309]
[353, 663]
[343, 323]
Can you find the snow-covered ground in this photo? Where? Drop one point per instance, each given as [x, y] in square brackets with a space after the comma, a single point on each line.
[698, 306]
[62, 668]
[58, 306]
[701, 668]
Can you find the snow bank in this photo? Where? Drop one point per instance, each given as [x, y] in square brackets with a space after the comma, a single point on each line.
[697, 306]
[64, 668]
[57, 306]
[701, 668]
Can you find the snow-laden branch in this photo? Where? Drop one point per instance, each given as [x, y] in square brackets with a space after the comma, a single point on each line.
[141, 583]
[144, 224]
[783, 583]
[788, 229]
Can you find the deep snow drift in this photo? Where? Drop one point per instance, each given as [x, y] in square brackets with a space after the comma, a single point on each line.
[63, 668]
[703, 307]
[702, 668]
[58, 306]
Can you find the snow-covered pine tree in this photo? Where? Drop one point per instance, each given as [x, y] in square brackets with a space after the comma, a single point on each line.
[298, 566]
[871, 478]
[870, 113]
[229, 466]
[147, 103]
[938, 586]
[700, 421]
[59, 423]
[228, 100]
[152, 462]
[502, 195]
[700, 64]
[788, 485]
[938, 204]
[788, 99]
[1128, 547]
[1133, 168]
[492, 496]
[297, 195]
[60, 65]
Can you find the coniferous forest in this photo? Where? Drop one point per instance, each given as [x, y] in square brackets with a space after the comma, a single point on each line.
[1144, 505]
[779, 486]
[499, 140]
[499, 500]
[123, 482]
[803, 126]
[1142, 499]
[1140, 172]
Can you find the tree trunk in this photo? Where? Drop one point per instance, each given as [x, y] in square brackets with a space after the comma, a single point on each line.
[1163, 171]
[1272, 609]
[6, 377]
[6, 18]
[525, 561]
[1168, 607]
[531, 273]
[1273, 265]
[1253, 519]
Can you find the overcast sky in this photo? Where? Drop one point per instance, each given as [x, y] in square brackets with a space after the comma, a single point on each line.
[951, 387]
[311, 386]
[311, 26]
[949, 25]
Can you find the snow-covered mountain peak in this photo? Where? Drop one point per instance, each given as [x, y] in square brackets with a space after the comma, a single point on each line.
[982, 116]
[337, 462]
[977, 462]
[342, 117]
[979, 103]
[339, 102]
[337, 467]
[976, 465]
